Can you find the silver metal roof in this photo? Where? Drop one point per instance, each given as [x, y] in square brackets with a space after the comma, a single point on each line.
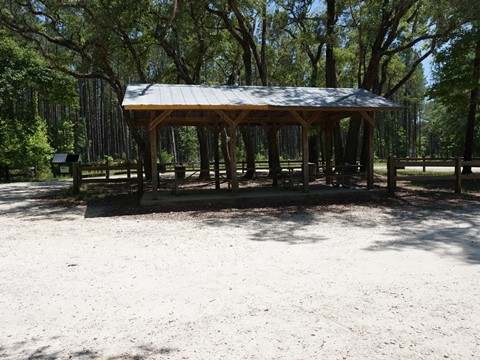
[162, 96]
[59, 158]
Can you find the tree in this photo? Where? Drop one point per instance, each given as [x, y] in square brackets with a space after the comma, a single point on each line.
[24, 80]
[90, 40]
[241, 20]
[383, 31]
[457, 84]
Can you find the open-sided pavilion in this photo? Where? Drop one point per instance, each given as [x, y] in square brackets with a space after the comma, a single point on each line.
[216, 107]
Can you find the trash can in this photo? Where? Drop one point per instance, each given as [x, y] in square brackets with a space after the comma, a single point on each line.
[312, 171]
[62, 164]
[180, 171]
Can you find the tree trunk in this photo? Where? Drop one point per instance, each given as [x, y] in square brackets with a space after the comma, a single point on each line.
[204, 154]
[313, 147]
[247, 134]
[338, 144]
[225, 151]
[364, 154]
[330, 72]
[352, 139]
[472, 109]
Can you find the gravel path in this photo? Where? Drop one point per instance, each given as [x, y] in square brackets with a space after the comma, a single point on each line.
[359, 282]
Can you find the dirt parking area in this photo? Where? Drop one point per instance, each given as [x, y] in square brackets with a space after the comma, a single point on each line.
[389, 279]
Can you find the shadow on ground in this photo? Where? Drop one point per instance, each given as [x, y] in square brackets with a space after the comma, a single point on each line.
[450, 230]
[37, 201]
[30, 351]
[437, 221]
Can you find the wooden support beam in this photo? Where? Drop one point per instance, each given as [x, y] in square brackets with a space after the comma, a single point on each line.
[216, 157]
[153, 153]
[298, 118]
[154, 122]
[316, 117]
[224, 116]
[241, 117]
[233, 159]
[235, 120]
[273, 132]
[305, 158]
[370, 128]
[327, 133]
[369, 117]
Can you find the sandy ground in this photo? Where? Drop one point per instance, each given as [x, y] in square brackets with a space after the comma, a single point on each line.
[359, 282]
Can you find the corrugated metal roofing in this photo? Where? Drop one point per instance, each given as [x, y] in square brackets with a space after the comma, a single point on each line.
[59, 158]
[162, 96]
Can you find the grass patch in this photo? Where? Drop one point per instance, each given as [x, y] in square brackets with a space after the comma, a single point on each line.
[413, 172]
[88, 193]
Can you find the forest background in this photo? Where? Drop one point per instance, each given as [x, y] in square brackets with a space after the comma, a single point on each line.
[65, 64]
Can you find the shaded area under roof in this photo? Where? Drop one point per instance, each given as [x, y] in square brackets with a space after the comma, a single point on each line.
[188, 97]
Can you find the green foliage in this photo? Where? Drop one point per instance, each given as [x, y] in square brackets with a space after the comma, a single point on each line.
[455, 81]
[134, 41]
[165, 157]
[26, 144]
[188, 144]
[24, 78]
[453, 70]
[65, 136]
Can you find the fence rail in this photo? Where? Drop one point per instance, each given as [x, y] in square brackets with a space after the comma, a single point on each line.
[9, 172]
[97, 174]
[91, 174]
[457, 177]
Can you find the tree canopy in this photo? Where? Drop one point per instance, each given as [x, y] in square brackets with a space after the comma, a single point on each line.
[91, 49]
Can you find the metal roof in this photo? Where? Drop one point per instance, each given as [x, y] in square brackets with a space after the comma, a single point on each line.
[163, 97]
[59, 158]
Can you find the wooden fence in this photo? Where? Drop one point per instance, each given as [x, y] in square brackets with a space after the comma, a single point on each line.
[457, 177]
[7, 173]
[97, 174]
[91, 174]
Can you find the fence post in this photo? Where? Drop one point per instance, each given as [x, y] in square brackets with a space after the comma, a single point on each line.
[107, 171]
[458, 175]
[76, 177]
[140, 175]
[424, 167]
[391, 175]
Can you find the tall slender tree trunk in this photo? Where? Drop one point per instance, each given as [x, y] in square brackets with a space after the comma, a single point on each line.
[472, 108]
[331, 77]
[225, 151]
[204, 153]
[352, 139]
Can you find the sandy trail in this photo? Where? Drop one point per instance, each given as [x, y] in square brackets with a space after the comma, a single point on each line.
[360, 283]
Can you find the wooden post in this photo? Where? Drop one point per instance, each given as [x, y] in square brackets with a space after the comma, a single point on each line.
[153, 153]
[140, 176]
[176, 181]
[233, 159]
[370, 128]
[107, 170]
[328, 155]
[391, 175]
[273, 131]
[305, 158]
[458, 175]
[76, 177]
[216, 157]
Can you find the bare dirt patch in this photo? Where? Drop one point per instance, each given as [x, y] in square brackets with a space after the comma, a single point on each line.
[369, 278]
